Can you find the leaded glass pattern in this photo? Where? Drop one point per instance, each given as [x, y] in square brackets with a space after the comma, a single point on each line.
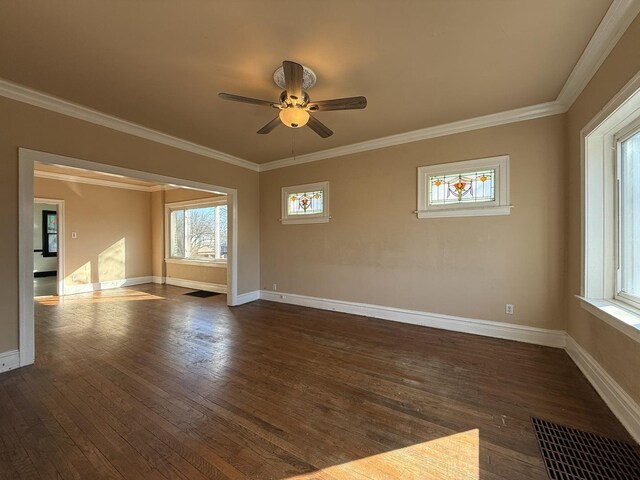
[305, 203]
[469, 187]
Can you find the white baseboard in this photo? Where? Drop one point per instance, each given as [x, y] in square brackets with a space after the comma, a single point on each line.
[95, 287]
[538, 336]
[243, 298]
[9, 360]
[209, 287]
[620, 403]
[156, 279]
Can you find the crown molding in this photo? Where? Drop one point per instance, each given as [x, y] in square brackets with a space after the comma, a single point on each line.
[613, 25]
[55, 104]
[495, 119]
[63, 177]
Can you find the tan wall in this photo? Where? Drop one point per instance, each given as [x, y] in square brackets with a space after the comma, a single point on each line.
[374, 249]
[113, 227]
[196, 273]
[22, 125]
[616, 352]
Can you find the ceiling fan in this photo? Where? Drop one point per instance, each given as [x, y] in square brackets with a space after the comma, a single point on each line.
[294, 103]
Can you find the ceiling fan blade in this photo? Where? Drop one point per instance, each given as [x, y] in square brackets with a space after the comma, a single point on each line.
[351, 103]
[293, 73]
[239, 98]
[319, 127]
[270, 126]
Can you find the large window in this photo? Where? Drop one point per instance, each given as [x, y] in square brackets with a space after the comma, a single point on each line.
[628, 278]
[197, 231]
[462, 189]
[611, 222]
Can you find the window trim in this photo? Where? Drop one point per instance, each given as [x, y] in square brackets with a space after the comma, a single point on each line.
[323, 217]
[599, 211]
[168, 208]
[499, 206]
[197, 263]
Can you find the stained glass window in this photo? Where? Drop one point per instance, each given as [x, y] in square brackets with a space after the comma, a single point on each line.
[306, 203]
[462, 188]
[467, 188]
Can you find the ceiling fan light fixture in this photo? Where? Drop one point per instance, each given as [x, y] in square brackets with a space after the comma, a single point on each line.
[294, 103]
[294, 116]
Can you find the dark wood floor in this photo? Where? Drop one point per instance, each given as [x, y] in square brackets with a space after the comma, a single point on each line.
[145, 382]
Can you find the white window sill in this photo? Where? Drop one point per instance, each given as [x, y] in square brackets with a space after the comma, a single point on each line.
[197, 263]
[297, 221]
[621, 316]
[465, 212]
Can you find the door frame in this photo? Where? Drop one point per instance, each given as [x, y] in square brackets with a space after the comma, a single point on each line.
[26, 160]
[60, 256]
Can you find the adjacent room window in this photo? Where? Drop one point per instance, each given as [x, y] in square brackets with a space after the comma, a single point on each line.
[462, 189]
[306, 203]
[49, 233]
[628, 169]
[197, 231]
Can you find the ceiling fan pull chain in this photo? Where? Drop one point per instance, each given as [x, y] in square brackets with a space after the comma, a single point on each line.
[293, 144]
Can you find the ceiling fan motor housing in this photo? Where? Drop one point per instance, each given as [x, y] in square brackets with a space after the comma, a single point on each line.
[286, 101]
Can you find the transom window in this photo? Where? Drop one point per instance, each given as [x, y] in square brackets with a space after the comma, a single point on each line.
[306, 203]
[197, 231]
[467, 188]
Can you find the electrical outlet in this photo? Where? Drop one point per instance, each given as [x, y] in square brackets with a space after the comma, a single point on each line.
[275, 287]
[509, 309]
[74, 235]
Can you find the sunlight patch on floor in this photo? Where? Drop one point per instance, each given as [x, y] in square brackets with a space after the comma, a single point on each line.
[455, 457]
[98, 297]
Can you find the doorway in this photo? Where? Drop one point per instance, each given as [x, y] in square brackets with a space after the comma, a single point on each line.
[27, 160]
[48, 243]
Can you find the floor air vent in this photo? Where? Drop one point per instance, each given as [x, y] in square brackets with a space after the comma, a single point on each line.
[202, 294]
[571, 454]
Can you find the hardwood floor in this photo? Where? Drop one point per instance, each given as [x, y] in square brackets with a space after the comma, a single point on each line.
[43, 286]
[145, 382]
